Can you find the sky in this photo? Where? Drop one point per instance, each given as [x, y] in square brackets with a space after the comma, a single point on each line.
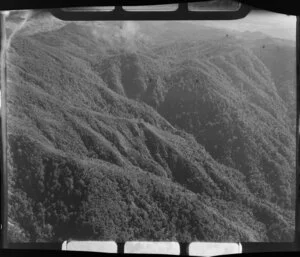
[272, 24]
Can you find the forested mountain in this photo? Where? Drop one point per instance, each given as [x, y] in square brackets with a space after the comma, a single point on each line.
[139, 130]
[279, 56]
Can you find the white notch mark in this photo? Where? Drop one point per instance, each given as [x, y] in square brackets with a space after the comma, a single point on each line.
[91, 246]
[146, 247]
[214, 249]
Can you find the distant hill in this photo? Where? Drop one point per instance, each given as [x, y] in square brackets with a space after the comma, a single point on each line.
[115, 133]
[279, 56]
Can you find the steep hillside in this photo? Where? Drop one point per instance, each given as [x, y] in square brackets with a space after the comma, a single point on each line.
[116, 135]
[279, 56]
[225, 96]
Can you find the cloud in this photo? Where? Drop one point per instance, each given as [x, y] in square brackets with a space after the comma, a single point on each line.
[5, 13]
[129, 30]
[125, 34]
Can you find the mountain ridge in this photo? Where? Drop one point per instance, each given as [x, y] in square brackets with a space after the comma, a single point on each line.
[89, 139]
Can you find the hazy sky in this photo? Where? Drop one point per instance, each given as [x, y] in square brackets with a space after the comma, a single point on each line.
[273, 24]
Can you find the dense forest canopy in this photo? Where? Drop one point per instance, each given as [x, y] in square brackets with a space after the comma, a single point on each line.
[149, 130]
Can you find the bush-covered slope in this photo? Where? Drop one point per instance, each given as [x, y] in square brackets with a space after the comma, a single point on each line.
[279, 56]
[224, 95]
[117, 137]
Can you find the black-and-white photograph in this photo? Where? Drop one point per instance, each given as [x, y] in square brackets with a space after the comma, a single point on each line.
[172, 130]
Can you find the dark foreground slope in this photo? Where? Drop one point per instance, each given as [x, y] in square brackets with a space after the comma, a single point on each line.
[96, 152]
